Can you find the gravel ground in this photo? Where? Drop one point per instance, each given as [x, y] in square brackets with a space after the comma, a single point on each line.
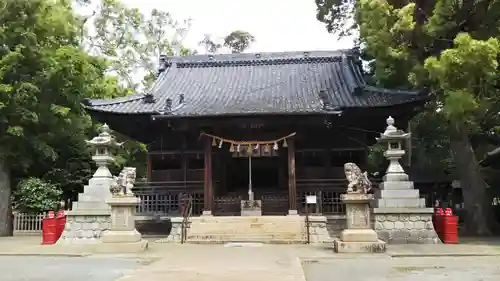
[405, 269]
[16, 268]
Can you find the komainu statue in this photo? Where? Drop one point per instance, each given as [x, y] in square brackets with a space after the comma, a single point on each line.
[123, 184]
[130, 174]
[115, 187]
[358, 181]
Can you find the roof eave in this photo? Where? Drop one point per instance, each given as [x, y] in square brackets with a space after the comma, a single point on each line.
[172, 116]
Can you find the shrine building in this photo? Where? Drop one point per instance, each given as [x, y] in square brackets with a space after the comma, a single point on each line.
[275, 126]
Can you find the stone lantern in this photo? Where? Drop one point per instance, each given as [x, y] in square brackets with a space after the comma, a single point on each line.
[104, 146]
[393, 139]
[401, 216]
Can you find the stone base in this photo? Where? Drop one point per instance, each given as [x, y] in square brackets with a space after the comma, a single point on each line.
[251, 208]
[293, 213]
[112, 236]
[134, 247]
[175, 231]
[318, 233]
[206, 213]
[405, 226]
[84, 227]
[359, 247]
[358, 235]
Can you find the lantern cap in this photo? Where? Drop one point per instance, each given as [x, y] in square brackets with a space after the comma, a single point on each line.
[392, 133]
[104, 139]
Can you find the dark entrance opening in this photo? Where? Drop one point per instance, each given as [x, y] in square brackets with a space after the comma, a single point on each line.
[265, 175]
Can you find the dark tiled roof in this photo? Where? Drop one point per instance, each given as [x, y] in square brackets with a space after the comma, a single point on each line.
[266, 83]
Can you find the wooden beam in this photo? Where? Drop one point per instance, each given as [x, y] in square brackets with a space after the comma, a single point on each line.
[207, 209]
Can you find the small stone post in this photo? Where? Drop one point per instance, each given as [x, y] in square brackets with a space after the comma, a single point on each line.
[401, 216]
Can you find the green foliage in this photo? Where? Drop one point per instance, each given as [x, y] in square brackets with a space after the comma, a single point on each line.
[237, 42]
[337, 15]
[35, 196]
[376, 159]
[451, 48]
[465, 74]
[44, 78]
[132, 154]
[131, 41]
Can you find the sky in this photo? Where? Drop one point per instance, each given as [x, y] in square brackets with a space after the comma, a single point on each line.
[277, 25]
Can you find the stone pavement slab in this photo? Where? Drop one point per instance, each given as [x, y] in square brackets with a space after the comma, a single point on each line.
[414, 250]
[63, 268]
[404, 269]
[30, 246]
[251, 261]
[217, 262]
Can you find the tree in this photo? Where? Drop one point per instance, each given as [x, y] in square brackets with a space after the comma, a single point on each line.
[237, 42]
[211, 46]
[338, 15]
[44, 78]
[451, 48]
[130, 40]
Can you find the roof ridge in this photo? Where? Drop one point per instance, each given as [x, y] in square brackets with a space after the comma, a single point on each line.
[383, 90]
[266, 61]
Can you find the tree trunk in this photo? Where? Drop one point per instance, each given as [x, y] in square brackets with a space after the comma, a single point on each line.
[5, 201]
[478, 210]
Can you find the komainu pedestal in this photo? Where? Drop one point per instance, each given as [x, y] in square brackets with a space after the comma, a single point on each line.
[358, 237]
[122, 236]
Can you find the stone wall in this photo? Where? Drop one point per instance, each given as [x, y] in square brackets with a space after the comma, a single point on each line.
[406, 228]
[84, 229]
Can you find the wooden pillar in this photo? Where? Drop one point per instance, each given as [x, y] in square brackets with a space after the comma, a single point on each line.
[149, 167]
[207, 210]
[292, 188]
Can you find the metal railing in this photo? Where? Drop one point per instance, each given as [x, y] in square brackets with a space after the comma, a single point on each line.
[27, 224]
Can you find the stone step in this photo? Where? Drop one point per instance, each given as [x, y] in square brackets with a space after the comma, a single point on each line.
[226, 231]
[397, 193]
[396, 185]
[277, 229]
[400, 203]
[256, 238]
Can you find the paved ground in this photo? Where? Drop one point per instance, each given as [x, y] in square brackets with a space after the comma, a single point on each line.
[480, 260]
[65, 268]
[405, 269]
